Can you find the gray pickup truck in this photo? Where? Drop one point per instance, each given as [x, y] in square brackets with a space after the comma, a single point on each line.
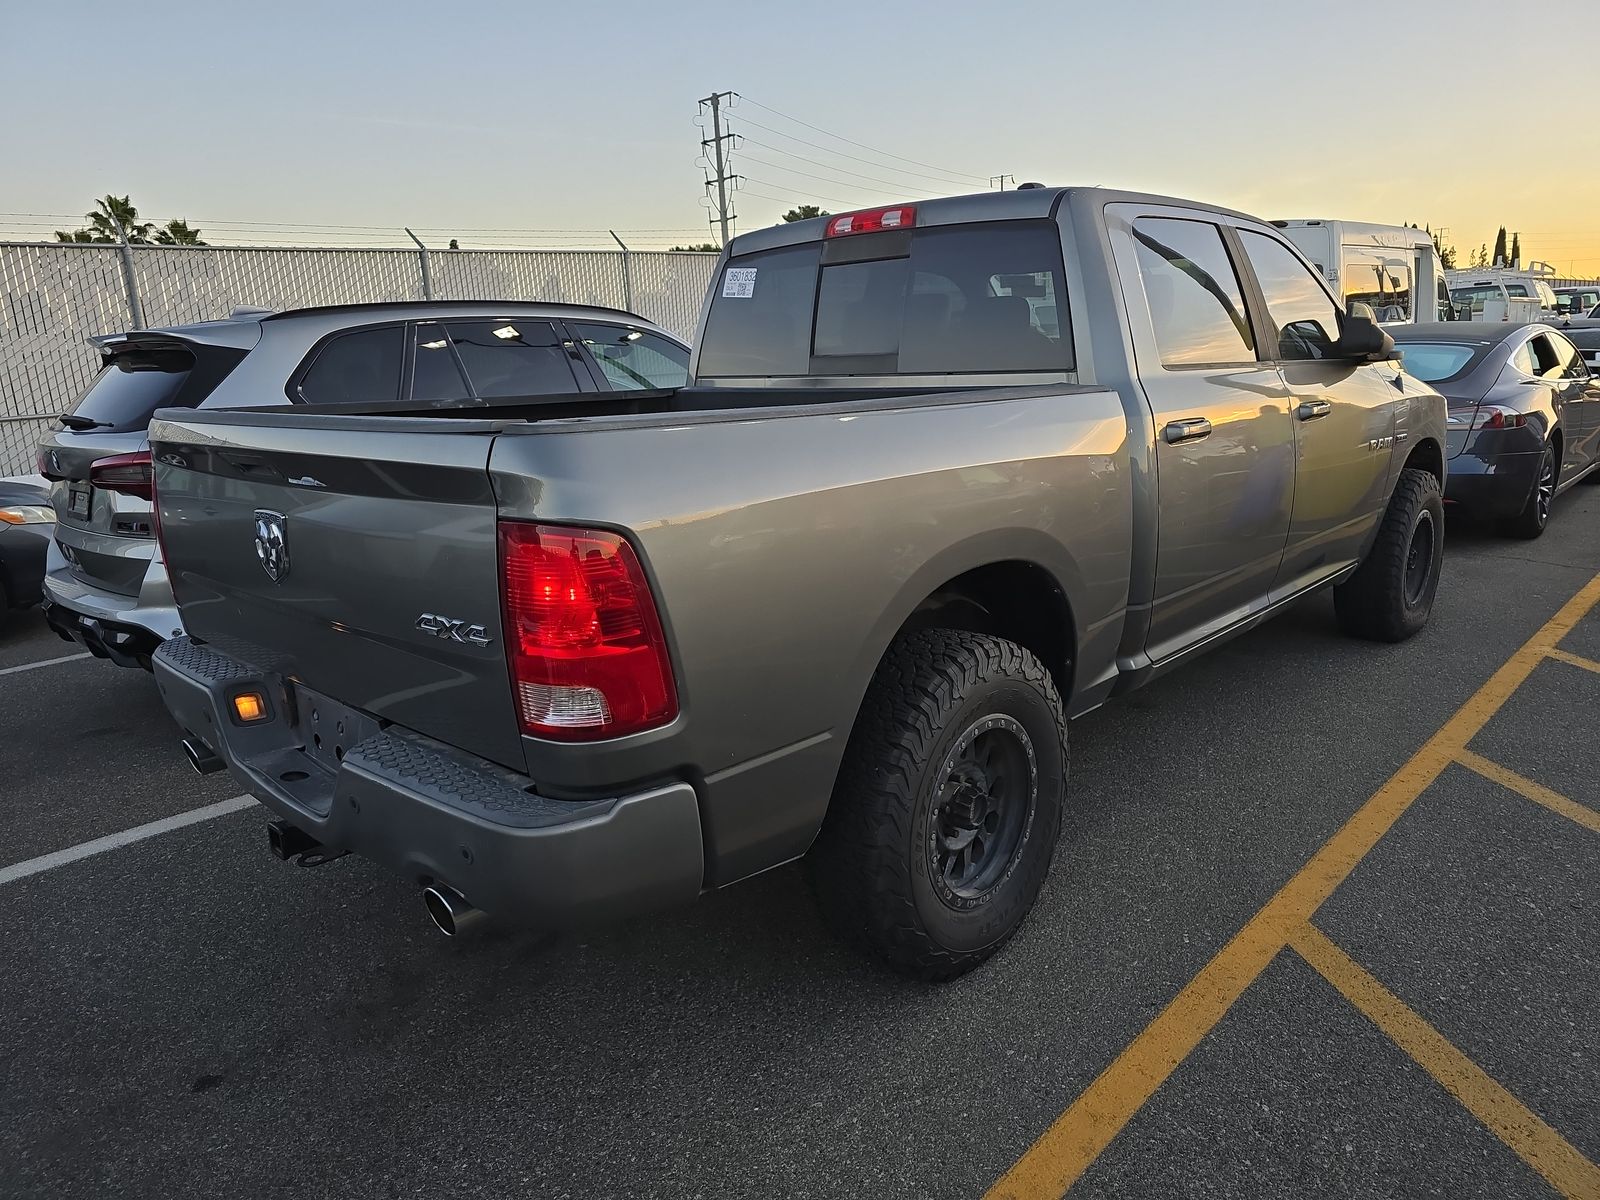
[945, 476]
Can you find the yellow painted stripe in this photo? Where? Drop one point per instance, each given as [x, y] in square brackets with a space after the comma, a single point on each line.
[1537, 792]
[1076, 1138]
[1538, 1145]
[1574, 660]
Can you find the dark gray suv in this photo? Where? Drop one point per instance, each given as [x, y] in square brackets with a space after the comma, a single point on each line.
[106, 586]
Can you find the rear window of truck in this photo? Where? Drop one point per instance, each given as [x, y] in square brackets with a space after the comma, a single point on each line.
[944, 300]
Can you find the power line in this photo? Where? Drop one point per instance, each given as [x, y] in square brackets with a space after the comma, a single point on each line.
[853, 142]
[813, 175]
[814, 195]
[871, 162]
[841, 170]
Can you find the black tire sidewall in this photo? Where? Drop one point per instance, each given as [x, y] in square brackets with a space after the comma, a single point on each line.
[1415, 614]
[1003, 908]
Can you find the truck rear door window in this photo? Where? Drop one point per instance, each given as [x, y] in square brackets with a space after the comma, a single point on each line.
[945, 300]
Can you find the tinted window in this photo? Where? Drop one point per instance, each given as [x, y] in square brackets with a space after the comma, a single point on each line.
[1196, 307]
[1432, 362]
[1566, 364]
[1385, 286]
[632, 359]
[356, 368]
[760, 321]
[1523, 359]
[512, 357]
[131, 387]
[1307, 320]
[435, 375]
[942, 300]
[1516, 289]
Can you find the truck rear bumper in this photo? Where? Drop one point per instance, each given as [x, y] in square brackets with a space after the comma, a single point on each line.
[437, 815]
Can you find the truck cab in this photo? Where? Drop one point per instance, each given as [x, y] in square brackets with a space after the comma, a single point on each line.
[1514, 294]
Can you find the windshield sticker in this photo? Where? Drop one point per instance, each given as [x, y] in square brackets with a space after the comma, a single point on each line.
[739, 283]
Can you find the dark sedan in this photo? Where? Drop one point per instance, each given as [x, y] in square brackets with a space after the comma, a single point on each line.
[27, 523]
[1524, 420]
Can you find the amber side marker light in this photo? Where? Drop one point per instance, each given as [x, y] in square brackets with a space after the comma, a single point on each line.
[249, 706]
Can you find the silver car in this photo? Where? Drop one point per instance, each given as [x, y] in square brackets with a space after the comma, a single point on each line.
[105, 583]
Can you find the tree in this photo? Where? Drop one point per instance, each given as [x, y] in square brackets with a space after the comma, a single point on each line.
[699, 248]
[178, 233]
[1500, 258]
[1447, 254]
[804, 212]
[103, 228]
[454, 245]
[1516, 248]
[1480, 256]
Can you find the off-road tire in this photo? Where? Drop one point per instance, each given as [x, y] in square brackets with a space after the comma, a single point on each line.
[874, 867]
[1535, 516]
[1380, 602]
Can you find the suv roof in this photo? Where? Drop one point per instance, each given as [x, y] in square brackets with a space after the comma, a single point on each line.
[241, 329]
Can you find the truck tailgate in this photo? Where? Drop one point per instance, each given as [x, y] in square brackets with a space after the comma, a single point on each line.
[356, 559]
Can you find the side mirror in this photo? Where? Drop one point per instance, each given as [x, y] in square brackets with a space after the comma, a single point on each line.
[1361, 340]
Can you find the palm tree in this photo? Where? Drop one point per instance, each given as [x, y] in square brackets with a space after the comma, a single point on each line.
[108, 211]
[178, 233]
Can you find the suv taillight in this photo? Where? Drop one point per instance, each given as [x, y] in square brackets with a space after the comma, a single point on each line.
[130, 474]
[583, 639]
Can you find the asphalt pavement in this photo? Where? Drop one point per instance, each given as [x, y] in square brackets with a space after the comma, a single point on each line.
[181, 1015]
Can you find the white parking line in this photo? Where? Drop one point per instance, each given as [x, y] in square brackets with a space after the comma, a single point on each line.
[49, 662]
[113, 841]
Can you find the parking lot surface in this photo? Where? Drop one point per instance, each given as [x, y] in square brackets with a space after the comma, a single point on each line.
[1323, 922]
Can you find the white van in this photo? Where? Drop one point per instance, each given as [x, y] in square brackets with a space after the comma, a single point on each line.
[1504, 293]
[1393, 269]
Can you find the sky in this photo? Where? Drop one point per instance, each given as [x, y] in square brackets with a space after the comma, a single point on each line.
[534, 124]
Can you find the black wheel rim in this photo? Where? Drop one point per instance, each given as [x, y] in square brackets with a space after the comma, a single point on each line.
[1419, 558]
[1547, 486]
[987, 789]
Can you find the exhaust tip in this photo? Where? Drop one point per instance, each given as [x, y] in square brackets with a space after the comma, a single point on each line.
[449, 910]
[201, 758]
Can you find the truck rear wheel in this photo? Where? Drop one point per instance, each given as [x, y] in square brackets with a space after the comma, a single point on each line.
[948, 805]
[1391, 594]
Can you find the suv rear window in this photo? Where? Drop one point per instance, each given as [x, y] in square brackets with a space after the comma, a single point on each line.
[945, 300]
[134, 382]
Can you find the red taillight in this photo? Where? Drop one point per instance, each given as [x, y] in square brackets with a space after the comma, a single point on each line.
[588, 658]
[1492, 416]
[873, 220]
[130, 474]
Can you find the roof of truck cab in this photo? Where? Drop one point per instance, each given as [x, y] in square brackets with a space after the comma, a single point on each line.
[1018, 205]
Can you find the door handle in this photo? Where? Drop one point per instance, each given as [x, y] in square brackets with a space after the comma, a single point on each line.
[1189, 429]
[1310, 410]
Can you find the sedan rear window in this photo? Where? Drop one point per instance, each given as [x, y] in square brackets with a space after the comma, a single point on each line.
[944, 300]
[1434, 362]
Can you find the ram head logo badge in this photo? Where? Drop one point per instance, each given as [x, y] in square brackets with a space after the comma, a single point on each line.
[272, 544]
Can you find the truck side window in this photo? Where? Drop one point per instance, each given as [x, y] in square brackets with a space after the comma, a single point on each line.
[1307, 319]
[1196, 306]
[512, 357]
[633, 360]
[356, 368]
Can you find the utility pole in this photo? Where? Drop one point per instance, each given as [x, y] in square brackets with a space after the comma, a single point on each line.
[998, 182]
[715, 142]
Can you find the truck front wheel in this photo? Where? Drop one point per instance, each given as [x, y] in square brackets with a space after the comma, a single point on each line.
[1391, 594]
[948, 805]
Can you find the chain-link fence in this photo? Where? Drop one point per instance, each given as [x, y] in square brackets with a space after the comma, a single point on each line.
[54, 295]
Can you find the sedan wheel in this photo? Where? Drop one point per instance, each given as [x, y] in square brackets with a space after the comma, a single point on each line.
[1535, 514]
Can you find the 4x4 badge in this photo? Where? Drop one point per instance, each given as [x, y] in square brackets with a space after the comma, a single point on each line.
[272, 544]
